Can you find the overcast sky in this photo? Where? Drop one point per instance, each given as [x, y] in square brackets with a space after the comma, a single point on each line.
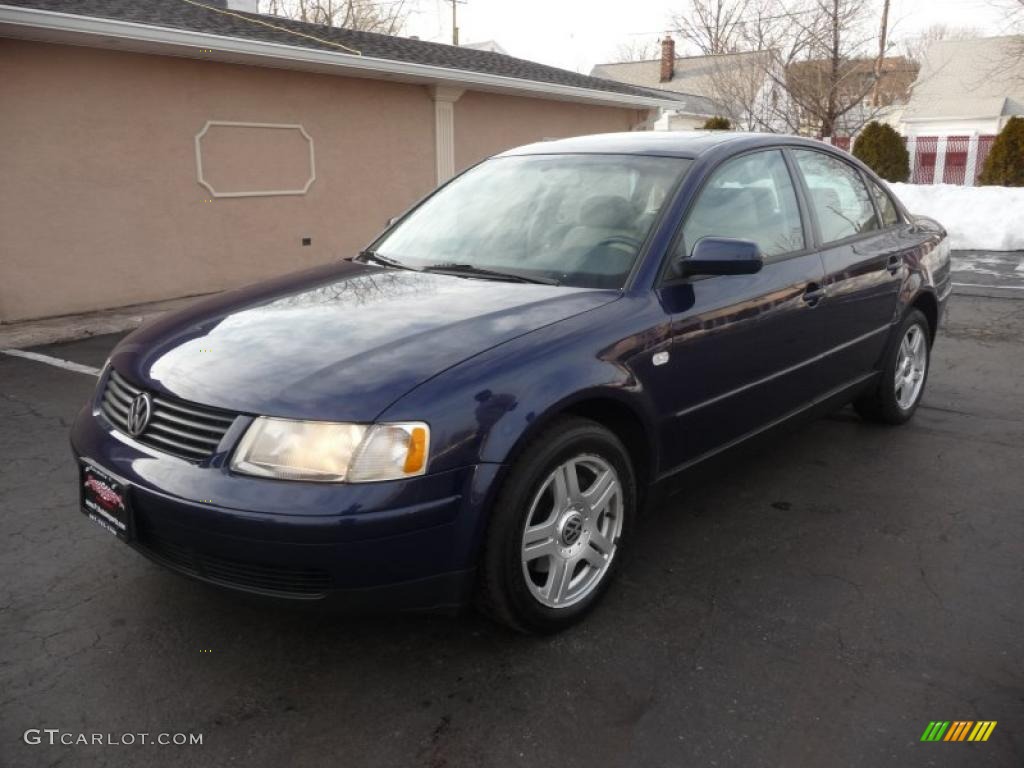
[576, 34]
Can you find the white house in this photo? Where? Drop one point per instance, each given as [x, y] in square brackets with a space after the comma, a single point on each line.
[967, 87]
[487, 45]
[729, 85]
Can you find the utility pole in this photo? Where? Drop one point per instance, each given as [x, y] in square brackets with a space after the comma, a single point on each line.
[455, 21]
[883, 34]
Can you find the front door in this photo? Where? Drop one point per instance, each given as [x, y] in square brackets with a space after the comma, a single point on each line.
[744, 347]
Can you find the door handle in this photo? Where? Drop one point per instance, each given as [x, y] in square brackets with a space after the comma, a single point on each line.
[893, 263]
[813, 294]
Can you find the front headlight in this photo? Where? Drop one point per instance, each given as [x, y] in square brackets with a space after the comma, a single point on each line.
[326, 452]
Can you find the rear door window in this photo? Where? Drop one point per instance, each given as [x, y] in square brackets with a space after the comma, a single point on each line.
[749, 198]
[840, 200]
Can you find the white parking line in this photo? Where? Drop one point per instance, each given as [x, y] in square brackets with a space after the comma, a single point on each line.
[66, 364]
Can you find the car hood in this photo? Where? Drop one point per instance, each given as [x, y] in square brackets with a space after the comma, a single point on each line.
[340, 342]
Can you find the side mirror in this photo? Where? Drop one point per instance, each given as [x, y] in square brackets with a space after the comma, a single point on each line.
[723, 256]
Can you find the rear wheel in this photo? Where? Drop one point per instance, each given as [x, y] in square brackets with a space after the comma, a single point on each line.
[558, 527]
[899, 390]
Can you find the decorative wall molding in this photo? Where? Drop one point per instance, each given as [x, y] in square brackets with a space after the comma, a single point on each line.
[444, 129]
[254, 193]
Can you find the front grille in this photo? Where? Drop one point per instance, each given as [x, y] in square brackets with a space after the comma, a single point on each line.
[276, 580]
[184, 429]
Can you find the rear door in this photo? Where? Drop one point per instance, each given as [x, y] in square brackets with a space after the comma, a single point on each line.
[862, 247]
[743, 346]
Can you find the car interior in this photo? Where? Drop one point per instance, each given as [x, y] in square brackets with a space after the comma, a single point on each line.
[750, 198]
[594, 240]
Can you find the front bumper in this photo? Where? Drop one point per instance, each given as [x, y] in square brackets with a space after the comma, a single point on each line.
[402, 545]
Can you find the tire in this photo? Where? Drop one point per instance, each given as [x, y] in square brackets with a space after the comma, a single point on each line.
[892, 401]
[570, 535]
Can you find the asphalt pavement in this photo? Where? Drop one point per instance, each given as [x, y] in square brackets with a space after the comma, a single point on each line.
[814, 602]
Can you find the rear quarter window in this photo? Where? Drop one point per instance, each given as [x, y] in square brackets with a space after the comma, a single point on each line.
[886, 207]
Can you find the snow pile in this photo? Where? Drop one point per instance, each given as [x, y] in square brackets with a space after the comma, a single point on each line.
[977, 218]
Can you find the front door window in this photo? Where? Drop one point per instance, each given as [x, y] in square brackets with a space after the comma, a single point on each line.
[748, 198]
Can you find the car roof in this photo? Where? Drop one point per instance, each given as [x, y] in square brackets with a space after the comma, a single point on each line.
[661, 143]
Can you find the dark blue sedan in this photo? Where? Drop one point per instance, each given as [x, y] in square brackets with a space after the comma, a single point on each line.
[474, 408]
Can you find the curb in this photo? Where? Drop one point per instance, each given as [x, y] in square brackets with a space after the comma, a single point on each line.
[52, 330]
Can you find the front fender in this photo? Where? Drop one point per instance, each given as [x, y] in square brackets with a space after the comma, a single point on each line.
[482, 409]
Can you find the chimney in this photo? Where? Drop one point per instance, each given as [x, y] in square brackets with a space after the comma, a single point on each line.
[668, 58]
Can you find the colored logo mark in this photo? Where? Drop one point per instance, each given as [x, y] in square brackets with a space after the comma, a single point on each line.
[958, 730]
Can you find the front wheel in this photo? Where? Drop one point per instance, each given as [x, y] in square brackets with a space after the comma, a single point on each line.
[557, 529]
[899, 391]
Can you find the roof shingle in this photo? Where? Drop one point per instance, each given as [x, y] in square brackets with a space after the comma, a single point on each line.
[194, 17]
[694, 75]
[979, 78]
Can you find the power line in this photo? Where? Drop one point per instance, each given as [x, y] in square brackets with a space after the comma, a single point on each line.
[273, 26]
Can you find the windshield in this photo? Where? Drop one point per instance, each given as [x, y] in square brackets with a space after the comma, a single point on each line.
[573, 219]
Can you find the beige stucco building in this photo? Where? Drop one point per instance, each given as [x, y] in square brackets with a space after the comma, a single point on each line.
[169, 148]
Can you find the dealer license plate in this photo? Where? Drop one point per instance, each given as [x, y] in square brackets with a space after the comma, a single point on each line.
[105, 501]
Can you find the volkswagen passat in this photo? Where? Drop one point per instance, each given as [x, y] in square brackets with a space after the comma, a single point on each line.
[475, 407]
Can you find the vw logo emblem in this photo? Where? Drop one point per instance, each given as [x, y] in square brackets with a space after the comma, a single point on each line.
[138, 414]
[571, 530]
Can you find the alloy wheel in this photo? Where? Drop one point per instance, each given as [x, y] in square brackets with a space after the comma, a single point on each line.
[572, 530]
[911, 364]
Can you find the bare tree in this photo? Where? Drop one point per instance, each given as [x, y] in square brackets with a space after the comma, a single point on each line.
[713, 26]
[1014, 21]
[835, 74]
[742, 91]
[779, 29]
[915, 48]
[820, 60]
[746, 87]
[1014, 10]
[387, 18]
[637, 50]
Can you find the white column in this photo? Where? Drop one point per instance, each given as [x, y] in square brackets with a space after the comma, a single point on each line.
[972, 160]
[940, 160]
[646, 120]
[912, 151]
[444, 129]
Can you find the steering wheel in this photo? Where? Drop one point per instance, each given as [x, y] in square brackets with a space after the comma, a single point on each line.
[625, 240]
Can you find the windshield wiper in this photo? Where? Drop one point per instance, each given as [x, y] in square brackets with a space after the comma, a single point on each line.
[471, 270]
[384, 261]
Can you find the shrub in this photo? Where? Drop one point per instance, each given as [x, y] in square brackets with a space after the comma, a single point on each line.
[881, 148]
[1004, 165]
[717, 124]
